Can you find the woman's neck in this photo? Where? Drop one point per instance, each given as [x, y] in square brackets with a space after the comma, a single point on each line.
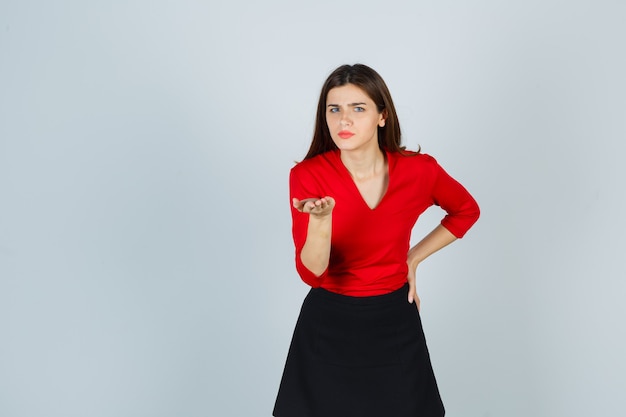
[364, 165]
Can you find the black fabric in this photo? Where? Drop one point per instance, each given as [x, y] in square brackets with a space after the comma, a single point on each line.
[358, 357]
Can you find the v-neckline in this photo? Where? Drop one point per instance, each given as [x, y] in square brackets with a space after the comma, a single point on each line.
[356, 188]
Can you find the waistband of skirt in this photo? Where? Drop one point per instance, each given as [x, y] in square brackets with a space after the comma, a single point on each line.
[394, 296]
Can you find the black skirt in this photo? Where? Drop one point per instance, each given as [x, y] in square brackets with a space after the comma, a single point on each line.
[358, 357]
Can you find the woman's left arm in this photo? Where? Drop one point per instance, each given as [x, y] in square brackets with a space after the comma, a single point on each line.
[462, 212]
[435, 240]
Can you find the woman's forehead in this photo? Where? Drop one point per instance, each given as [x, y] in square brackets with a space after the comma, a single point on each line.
[348, 93]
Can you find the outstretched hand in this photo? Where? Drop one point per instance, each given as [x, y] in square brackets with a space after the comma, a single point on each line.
[412, 291]
[319, 207]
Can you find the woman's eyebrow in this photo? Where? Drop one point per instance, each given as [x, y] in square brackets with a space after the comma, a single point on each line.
[351, 105]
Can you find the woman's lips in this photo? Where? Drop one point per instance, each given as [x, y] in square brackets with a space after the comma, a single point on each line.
[345, 134]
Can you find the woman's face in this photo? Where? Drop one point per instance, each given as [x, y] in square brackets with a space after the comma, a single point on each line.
[352, 118]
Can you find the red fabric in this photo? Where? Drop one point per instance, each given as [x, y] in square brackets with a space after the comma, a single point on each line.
[369, 247]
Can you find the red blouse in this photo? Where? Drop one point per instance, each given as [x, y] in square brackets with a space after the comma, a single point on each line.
[369, 247]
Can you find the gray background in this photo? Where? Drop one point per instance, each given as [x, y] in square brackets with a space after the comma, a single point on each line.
[146, 262]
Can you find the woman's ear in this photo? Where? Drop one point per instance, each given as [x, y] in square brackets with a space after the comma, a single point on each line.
[383, 115]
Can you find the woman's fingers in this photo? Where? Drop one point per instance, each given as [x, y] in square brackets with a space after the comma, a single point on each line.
[301, 205]
[412, 297]
[314, 205]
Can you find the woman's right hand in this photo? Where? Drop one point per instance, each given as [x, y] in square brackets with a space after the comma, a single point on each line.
[318, 207]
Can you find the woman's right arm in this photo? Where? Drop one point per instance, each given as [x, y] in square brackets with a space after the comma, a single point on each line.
[311, 224]
[315, 253]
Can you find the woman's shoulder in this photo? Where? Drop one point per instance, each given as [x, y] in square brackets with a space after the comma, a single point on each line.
[315, 162]
[414, 160]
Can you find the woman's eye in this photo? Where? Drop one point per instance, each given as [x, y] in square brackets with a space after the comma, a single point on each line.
[334, 110]
[359, 109]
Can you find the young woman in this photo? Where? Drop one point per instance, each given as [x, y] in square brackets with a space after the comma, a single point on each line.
[358, 349]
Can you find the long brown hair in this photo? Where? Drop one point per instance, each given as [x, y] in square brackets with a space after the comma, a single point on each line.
[374, 86]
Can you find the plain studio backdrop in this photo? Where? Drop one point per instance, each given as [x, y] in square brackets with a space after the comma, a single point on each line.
[146, 261]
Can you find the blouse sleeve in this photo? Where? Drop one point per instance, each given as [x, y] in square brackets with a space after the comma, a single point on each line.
[461, 208]
[298, 188]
